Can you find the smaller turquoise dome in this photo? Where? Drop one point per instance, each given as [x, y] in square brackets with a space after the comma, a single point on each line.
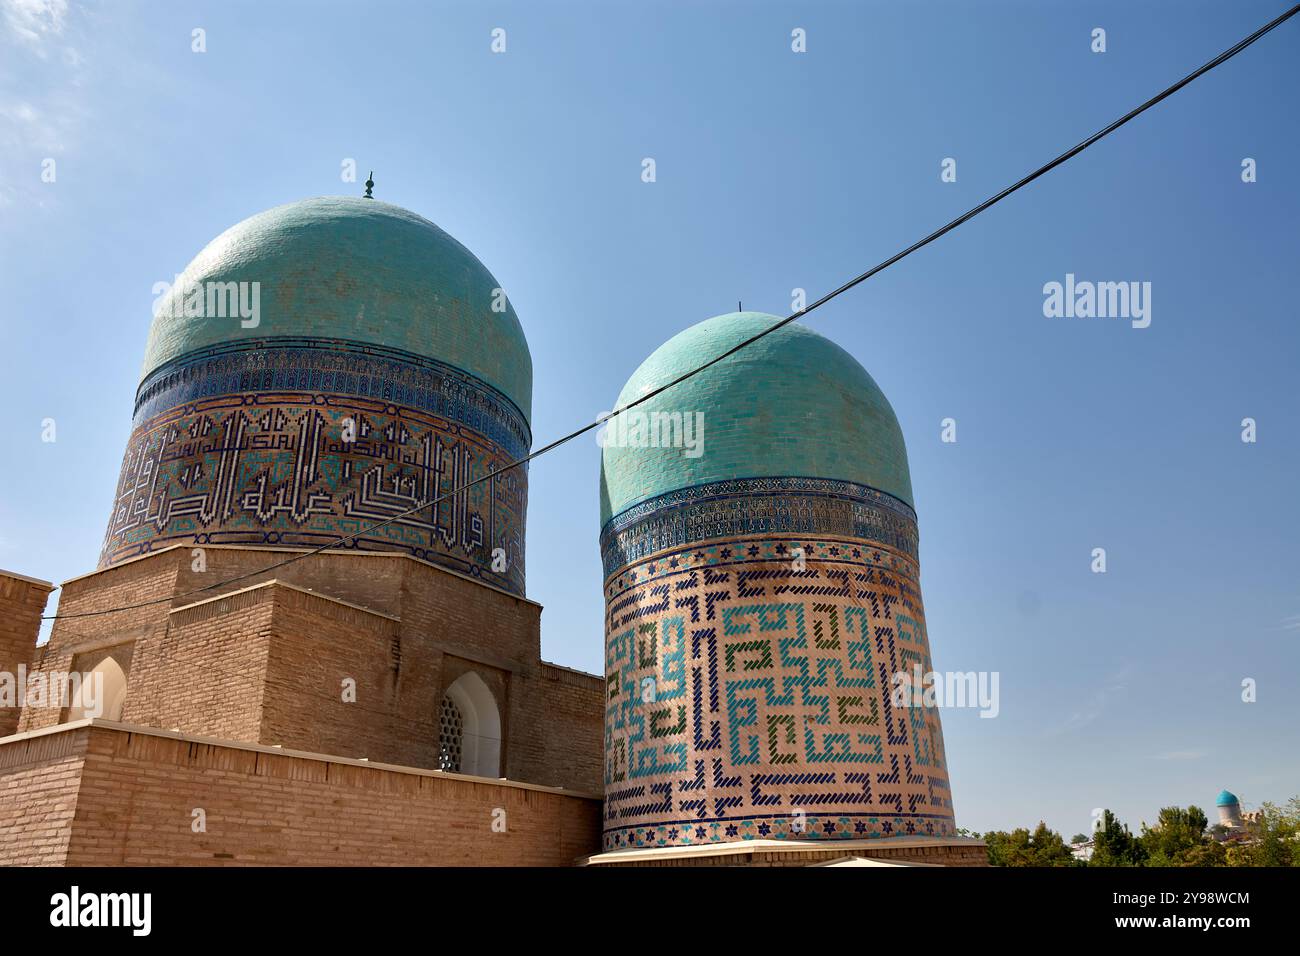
[793, 404]
[1226, 799]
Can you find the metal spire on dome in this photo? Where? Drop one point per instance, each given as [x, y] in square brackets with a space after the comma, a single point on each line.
[370, 185]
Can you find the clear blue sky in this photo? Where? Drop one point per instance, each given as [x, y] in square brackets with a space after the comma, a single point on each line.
[775, 171]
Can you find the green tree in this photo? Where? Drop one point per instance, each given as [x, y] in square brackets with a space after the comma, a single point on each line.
[1049, 848]
[1006, 849]
[1208, 853]
[1176, 835]
[1180, 837]
[1115, 845]
[1274, 841]
[1043, 847]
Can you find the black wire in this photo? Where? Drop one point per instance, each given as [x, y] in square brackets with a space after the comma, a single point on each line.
[971, 214]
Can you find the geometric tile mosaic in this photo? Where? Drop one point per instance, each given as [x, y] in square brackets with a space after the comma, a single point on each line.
[748, 697]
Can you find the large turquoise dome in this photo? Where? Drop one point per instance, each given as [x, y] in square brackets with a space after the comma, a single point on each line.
[357, 270]
[792, 404]
[327, 374]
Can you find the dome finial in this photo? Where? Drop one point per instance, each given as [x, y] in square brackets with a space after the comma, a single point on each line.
[370, 185]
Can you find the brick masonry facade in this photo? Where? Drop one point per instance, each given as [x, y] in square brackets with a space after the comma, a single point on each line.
[266, 660]
[22, 602]
[298, 708]
[107, 794]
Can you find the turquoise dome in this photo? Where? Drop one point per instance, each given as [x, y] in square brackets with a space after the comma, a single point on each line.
[359, 270]
[793, 404]
[1226, 798]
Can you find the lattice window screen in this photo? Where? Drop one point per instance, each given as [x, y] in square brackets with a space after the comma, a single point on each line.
[451, 732]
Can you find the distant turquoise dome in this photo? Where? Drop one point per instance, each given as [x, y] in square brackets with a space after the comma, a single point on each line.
[1226, 798]
[793, 404]
[358, 270]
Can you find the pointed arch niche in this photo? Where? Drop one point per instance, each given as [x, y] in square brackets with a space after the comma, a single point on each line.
[112, 693]
[469, 728]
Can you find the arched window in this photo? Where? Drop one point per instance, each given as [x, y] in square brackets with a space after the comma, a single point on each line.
[469, 729]
[103, 691]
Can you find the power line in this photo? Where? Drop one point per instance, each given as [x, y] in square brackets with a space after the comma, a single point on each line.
[880, 267]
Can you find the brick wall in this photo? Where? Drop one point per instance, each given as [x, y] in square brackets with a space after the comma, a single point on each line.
[47, 660]
[136, 793]
[568, 707]
[22, 602]
[39, 778]
[317, 644]
[264, 661]
[205, 672]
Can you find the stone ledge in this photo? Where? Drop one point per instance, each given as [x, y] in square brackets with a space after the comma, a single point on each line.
[29, 580]
[889, 851]
[551, 665]
[99, 723]
[277, 583]
[352, 553]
